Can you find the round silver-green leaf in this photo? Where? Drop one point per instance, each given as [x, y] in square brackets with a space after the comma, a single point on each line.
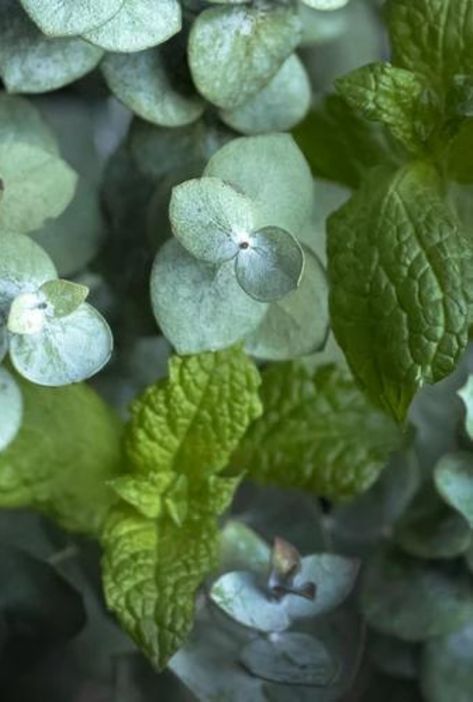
[290, 658]
[234, 51]
[279, 106]
[21, 121]
[298, 324]
[142, 82]
[241, 548]
[269, 264]
[453, 476]
[33, 63]
[210, 218]
[138, 25]
[326, 5]
[272, 171]
[59, 18]
[199, 306]
[67, 349]
[11, 408]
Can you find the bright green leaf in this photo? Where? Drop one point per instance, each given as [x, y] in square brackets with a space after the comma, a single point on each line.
[269, 264]
[143, 83]
[68, 446]
[11, 408]
[447, 667]
[37, 185]
[271, 170]
[280, 105]
[210, 218]
[397, 98]
[200, 306]
[235, 51]
[318, 433]
[453, 477]
[69, 17]
[398, 297]
[33, 63]
[137, 25]
[296, 325]
[66, 349]
[63, 297]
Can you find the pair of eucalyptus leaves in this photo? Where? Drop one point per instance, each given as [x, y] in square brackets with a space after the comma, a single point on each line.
[240, 266]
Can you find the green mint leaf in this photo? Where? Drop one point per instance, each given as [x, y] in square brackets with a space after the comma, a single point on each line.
[269, 264]
[200, 306]
[192, 422]
[143, 83]
[318, 433]
[432, 38]
[68, 17]
[37, 185]
[271, 170]
[210, 218]
[151, 571]
[62, 349]
[63, 297]
[137, 25]
[396, 97]
[235, 51]
[62, 473]
[453, 476]
[33, 63]
[298, 324]
[11, 408]
[279, 106]
[459, 166]
[398, 294]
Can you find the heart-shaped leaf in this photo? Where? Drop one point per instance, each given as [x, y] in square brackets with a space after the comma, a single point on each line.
[11, 408]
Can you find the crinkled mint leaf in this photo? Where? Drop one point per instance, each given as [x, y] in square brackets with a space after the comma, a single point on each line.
[453, 476]
[33, 63]
[318, 432]
[269, 264]
[447, 667]
[396, 97]
[37, 185]
[235, 51]
[399, 299]
[21, 121]
[11, 408]
[297, 324]
[193, 421]
[459, 166]
[62, 473]
[210, 218]
[24, 267]
[432, 38]
[340, 145]
[271, 170]
[144, 83]
[281, 104]
[144, 492]
[151, 571]
[137, 25]
[200, 306]
[68, 17]
[414, 599]
[65, 349]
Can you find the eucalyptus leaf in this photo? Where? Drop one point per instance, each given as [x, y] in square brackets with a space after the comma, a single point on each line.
[466, 395]
[242, 549]
[199, 306]
[234, 51]
[21, 121]
[37, 185]
[296, 325]
[69, 17]
[143, 83]
[24, 266]
[272, 171]
[279, 106]
[63, 297]
[3, 341]
[33, 63]
[269, 264]
[11, 408]
[326, 5]
[447, 667]
[290, 658]
[453, 477]
[137, 25]
[67, 349]
[211, 219]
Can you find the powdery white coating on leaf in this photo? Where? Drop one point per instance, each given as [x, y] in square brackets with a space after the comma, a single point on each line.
[67, 349]
[33, 63]
[200, 306]
[138, 25]
[68, 17]
[142, 82]
[11, 408]
[235, 51]
[326, 5]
